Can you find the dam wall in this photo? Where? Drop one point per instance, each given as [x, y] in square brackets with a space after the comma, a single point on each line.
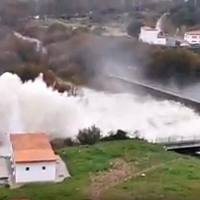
[144, 89]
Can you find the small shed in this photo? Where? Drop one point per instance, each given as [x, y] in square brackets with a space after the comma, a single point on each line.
[32, 158]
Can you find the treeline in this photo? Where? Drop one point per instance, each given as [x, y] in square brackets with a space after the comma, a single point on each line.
[15, 12]
[82, 57]
[185, 14]
[182, 65]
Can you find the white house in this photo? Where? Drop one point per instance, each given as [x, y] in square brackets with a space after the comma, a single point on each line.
[192, 37]
[33, 159]
[152, 36]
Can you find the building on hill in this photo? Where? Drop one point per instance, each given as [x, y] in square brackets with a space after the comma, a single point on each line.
[32, 158]
[192, 37]
[152, 36]
[157, 37]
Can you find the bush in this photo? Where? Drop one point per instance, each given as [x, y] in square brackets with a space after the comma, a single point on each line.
[28, 71]
[69, 142]
[169, 62]
[89, 135]
[119, 135]
[60, 143]
[133, 28]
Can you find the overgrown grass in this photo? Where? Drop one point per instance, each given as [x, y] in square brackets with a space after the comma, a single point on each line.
[181, 177]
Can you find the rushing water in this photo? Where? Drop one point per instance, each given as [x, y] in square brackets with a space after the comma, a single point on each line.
[32, 107]
[38, 43]
[160, 21]
[40, 109]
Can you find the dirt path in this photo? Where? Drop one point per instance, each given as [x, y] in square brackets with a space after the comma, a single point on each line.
[120, 172]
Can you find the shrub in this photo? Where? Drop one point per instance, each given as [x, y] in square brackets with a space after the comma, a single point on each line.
[89, 135]
[28, 71]
[119, 135]
[178, 63]
[60, 143]
[69, 142]
[133, 28]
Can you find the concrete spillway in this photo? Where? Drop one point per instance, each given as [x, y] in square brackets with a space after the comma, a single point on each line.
[170, 143]
[156, 92]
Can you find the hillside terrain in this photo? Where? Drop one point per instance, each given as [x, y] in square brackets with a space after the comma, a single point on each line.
[79, 48]
[130, 169]
[80, 54]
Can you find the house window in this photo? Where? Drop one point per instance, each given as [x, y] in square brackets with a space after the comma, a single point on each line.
[43, 168]
[27, 168]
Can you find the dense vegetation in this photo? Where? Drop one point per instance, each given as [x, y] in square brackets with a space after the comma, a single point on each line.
[181, 64]
[79, 56]
[14, 11]
[83, 57]
[187, 14]
[128, 169]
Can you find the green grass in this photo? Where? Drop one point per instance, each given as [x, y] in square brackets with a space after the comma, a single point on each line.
[177, 180]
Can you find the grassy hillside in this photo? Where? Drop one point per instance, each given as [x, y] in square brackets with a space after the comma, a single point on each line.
[119, 169]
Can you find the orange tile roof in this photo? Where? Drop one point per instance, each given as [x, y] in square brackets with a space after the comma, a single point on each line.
[31, 147]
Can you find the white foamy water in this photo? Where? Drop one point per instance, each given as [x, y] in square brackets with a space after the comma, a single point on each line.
[32, 107]
[160, 21]
[39, 45]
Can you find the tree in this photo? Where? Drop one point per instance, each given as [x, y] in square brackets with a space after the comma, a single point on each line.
[185, 14]
[133, 28]
[166, 63]
[89, 136]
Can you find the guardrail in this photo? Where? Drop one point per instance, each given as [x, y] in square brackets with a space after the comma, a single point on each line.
[179, 142]
[149, 86]
[179, 139]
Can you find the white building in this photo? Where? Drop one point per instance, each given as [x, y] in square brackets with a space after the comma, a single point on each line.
[192, 37]
[33, 159]
[152, 36]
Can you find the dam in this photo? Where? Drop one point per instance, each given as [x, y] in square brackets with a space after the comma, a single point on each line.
[170, 143]
[158, 93]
